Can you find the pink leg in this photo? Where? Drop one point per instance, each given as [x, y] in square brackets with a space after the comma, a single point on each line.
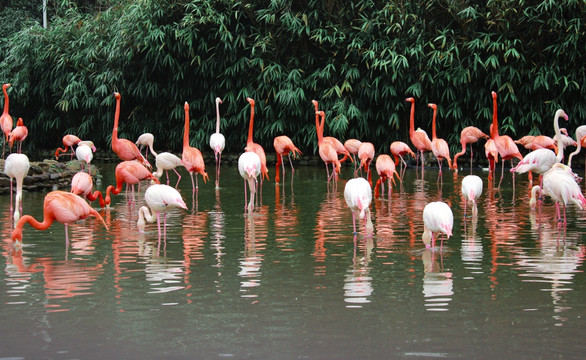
[178, 178]
[354, 222]
[192, 184]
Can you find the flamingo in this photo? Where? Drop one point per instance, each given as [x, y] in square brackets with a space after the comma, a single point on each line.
[419, 139]
[541, 159]
[249, 167]
[468, 135]
[82, 185]
[358, 196]
[385, 167]
[566, 139]
[439, 147]
[191, 157]
[254, 147]
[217, 142]
[129, 173]
[471, 189]
[492, 155]
[124, 148]
[68, 142]
[336, 144]
[146, 141]
[366, 155]
[352, 145]
[533, 199]
[19, 133]
[437, 219]
[559, 183]
[284, 146]
[85, 154]
[5, 119]
[581, 142]
[526, 141]
[166, 161]
[159, 198]
[327, 151]
[398, 150]
[505, 146]
[62, 206]
[16, 167]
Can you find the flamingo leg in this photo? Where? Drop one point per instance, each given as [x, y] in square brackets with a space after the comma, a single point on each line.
[178, 178]
[354, 222]
[167, 174]
[192, 183]
[245, 196]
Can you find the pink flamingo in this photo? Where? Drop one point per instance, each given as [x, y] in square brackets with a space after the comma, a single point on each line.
[124, 148]
[336, 144]
[504, 144]
[249, 167]
[471, 190]
[16, 167]
[159, 198]
[68, 142]
[254, 147]
[437, 219]
[358, 196]
[284, 146]
[129, 173]
[398, 150]
[62, 206]
[419, 139]
[366, 155]
[19, 133]
[385, 167]
[217, 142]
[327, 151]
[468, 135]
[191, 157]
[82, 184]
[439, 147]
[5, 119]
[352, 145]
[146, 141]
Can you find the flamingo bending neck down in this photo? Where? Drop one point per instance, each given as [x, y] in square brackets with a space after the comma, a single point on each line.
[437, 219]
[124, 148]
[191, 157]
[505, 146]
[419, 139]
[68, 142]
[82, 185]
[471, 190]
[166, 161]
[398, 150]
[358, 196]
[146, 141]
[129, 173]
[16, 167]
[5, 119]
[249, 167]
[284, 146]
[62, 206]
[159, 198]
[217, 142]
[386, 169]
[468, 135]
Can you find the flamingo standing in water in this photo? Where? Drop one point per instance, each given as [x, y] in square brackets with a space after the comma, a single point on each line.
[68, 142]
[471, 190]
[366, 155]
[65, 207]
[385, 167]
[19, 133]
[84, 153]
[327, 151]
[16, 167]
[146, 141]
[419, 139]
[217, 142]
[468, 135]
[159, 198]
[398, 150]
[336, 144]
[249, 167]
[437, 219]
[129, 173]
[124, 148]
[254, 147]
[82, 184]
[191, 157]
[505, 146]
[284, 146]
[352, 145]
[5, 119]
[560, 184]
[439, 147]
[166, 161]
[358, 196]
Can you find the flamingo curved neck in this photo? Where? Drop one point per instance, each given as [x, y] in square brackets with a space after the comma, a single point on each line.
[560, 145]
[144, 214]
[17, 232]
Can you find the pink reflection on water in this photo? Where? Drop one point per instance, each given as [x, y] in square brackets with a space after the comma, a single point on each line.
[329, 219]
[438, 285]
[194, 232]
[255, 237]
[285, 220]
[358, 282]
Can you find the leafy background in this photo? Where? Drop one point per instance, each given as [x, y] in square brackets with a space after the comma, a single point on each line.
[359, 59]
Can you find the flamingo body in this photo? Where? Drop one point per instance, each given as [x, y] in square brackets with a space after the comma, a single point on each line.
[16, 167]
[249, 167]
[124, 148]
[468, 135]
[166, 161]
[19, 134]
[146, 141]
[191, 157]
[358, 196]
[471, 190]
[437, 219]
[159, 198]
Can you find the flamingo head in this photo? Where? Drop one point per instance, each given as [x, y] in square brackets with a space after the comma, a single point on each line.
[447, 229]
[493, 95]
[250, 101]
[186, 106]
[563, 114]
[19, 122]
[117, 95]
[426, 237]
[314, 102]
[218, 100]
[180, 203]
[320, 113]
[6, 86]
[433, 106]
[410, 99]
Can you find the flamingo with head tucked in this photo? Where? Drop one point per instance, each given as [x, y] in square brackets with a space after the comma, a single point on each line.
[217, 142]
[437, 219]
[124, 148]
[358, 196]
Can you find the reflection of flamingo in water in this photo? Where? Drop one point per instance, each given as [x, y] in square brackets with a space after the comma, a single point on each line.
[62, 206]
[16, 167]
[159, 198]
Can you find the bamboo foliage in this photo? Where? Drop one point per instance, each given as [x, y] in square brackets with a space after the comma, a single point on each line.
[359, 59]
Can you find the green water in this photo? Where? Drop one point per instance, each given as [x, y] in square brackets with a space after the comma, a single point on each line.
[291, 281]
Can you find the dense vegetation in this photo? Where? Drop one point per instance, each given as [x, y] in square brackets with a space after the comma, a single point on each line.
[359, 58]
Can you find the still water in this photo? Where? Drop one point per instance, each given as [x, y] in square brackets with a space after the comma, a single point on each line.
[291, 281]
